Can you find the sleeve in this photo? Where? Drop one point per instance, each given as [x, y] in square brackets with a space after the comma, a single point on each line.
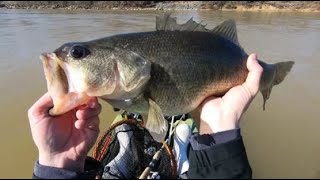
[201, 142]
[45, 172]
[219, 156]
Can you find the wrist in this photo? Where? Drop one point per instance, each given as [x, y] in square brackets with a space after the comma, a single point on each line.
[62, 161]
[213, 126]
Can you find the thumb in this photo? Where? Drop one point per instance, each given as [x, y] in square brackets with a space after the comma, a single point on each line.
[42, 106]
[254, 75]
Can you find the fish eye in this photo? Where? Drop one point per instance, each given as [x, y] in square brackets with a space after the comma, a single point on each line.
[79, 52]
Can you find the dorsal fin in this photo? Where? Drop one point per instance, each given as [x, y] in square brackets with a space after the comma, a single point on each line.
[167, 23]
[228, 30]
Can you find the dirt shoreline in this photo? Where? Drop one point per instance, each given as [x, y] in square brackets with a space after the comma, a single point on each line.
[300, 6]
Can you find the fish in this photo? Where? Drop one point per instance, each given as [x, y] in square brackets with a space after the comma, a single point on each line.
[165, 72]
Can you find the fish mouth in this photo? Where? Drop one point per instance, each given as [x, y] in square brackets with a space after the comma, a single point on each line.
[58, 87]
[55, 75]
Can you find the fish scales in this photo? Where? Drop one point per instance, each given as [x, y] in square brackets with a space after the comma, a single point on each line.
[187, 66]
[165, 72]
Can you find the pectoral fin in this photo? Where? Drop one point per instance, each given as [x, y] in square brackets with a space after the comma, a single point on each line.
[156, 122]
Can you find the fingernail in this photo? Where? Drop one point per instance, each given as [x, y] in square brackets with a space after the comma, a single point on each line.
[255, 56]
[83, 106]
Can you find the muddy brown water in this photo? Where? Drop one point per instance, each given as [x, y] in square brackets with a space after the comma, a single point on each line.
[281, 142]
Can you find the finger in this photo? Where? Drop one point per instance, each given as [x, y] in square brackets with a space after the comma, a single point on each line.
[92, 123]
[254, 75]
[93, 109]
[41, 106]
[89, 103]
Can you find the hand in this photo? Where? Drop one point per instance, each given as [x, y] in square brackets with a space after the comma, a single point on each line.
[224, 113]
[64, 141]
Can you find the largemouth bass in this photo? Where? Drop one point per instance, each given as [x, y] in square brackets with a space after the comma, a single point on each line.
[165, 72]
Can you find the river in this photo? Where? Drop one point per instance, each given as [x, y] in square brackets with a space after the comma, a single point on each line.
[281, 142]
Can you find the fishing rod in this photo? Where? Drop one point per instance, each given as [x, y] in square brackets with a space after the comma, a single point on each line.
[156, 156]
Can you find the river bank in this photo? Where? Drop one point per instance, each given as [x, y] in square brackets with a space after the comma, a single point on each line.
[302, 6]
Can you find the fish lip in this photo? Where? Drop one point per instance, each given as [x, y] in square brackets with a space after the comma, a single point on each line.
[48, 63]
[50, 57]
[53, 67]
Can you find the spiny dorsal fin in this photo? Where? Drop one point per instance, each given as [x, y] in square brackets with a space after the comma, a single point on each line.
[228, 30]
[191, 25]
[167, 23]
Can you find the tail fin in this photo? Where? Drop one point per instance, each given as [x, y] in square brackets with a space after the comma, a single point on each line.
[281, 70]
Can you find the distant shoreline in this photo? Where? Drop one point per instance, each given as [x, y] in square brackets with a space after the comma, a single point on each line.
[264, 6]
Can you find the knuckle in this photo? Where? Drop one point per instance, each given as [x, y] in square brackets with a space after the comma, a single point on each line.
[31, 112]
[259, 69]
